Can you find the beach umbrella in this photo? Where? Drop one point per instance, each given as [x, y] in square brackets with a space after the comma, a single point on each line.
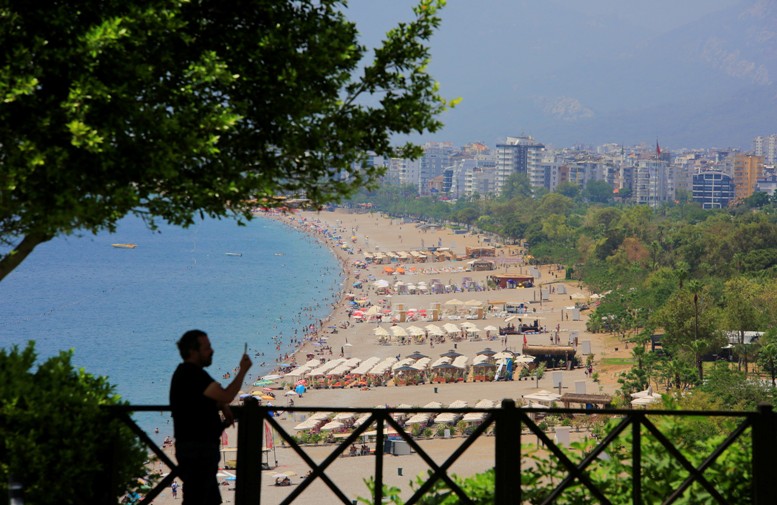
[491, 328]
[415, 330]
[503, 354]
[486, 352]
[434, 330]
[473, 303]
[453, 302]
[450, 328]
[381, 283]
[290, 392]
[267, 398]
[271, 377]
[398, 331]
[380, 332]
[451, 354]
[524, 359]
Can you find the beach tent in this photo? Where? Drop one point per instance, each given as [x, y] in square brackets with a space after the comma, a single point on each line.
[473, 417]
[417, 355]
[451, 417]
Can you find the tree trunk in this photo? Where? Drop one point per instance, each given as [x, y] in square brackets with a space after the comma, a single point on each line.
[18, 254]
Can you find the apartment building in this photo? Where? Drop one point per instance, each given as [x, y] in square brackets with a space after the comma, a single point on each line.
[516, 155]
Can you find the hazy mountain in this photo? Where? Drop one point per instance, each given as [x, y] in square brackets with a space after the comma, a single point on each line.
[571, 72]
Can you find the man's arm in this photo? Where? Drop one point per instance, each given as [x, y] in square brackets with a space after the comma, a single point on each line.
[229, 417]
[222, 395]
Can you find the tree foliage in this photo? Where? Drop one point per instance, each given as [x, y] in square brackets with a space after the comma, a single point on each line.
[170, 109]
[56, 438]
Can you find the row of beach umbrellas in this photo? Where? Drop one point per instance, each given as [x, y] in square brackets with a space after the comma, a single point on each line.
[432, 329]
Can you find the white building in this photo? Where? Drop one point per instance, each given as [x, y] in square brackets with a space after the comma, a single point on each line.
[516, 155]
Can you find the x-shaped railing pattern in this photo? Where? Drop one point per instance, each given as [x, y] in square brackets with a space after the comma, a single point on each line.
[508, 422]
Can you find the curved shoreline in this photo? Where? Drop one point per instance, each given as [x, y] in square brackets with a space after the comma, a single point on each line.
[305, 344]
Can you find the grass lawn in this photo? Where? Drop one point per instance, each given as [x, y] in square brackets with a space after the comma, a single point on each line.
[617, 361]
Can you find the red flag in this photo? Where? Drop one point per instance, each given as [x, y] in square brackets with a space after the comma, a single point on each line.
[268, 441]
[658, 149]
[224, 438]
[524, 339]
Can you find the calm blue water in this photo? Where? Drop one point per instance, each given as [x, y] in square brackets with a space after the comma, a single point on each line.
[122, 310]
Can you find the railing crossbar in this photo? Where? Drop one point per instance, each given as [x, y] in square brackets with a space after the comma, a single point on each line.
[697, 476]
[572, 468]
[318, 470]
[733, 436]
[427, 459]
[427, 485]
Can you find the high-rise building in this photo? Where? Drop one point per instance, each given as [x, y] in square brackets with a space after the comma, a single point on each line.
[766, 147]
[436, 158]
[713, 190]
[402, 171]
[746, 169]
[516, 155]
[649, 182]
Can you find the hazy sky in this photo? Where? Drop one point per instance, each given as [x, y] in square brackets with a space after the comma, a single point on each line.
[464, 59]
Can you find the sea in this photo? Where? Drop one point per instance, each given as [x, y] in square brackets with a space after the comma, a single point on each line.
[122, 310]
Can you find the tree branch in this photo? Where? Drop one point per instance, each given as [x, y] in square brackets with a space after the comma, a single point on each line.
[18, 254]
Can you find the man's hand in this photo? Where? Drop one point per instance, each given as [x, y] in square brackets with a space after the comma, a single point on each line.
[245, 363]
[229, 417]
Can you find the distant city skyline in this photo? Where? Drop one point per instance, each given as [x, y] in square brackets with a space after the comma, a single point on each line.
[569, 73]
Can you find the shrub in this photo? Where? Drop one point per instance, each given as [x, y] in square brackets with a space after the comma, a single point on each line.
[56, 437]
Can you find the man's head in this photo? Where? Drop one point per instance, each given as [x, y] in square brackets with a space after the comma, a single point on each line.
[194, 347]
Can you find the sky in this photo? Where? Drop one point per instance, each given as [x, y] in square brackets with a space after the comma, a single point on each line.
[479, 37]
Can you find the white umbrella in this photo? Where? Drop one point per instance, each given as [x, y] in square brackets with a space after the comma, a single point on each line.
[380, 332]
[332, 425]
[414, 330]
[398, 331]
[381, 283]
[450, 328]
[524, 359]
[434, 330]
[271, 377]
[453, 302]
[491, 328]
[290, 392]
[373, 311]
[473, 303]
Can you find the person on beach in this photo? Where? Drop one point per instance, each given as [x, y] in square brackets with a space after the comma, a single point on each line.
[195, 400]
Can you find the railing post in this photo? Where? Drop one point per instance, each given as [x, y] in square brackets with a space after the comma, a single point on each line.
[636, 460]
[249, 454]
[764, 449]
[379, 445]
[508, 454]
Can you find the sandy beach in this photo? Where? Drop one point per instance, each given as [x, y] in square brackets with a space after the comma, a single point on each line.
[372, 233]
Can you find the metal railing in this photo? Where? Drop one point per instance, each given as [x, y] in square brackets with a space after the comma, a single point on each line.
[508, 424]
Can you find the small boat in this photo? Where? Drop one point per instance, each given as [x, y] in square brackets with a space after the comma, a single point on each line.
[234, 254]
[279, 254]
[125, 246]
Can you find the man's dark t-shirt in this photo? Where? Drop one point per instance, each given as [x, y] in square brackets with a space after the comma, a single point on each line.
[195, 416]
